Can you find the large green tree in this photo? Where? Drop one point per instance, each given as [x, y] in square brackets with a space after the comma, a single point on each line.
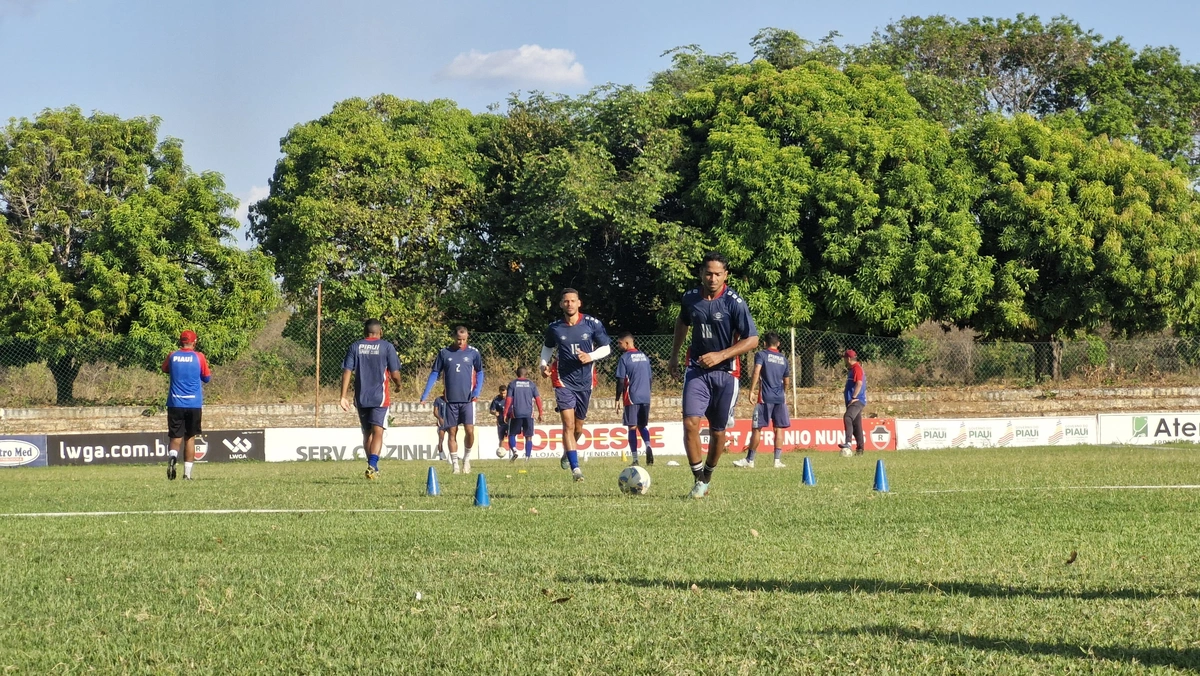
[370, 201]
[840, 206]
[961, 70]
[111, 246]
[1086, 233]
[576, 197]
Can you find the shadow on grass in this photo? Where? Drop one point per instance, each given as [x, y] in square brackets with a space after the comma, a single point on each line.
[1184, 658]
[875, 586]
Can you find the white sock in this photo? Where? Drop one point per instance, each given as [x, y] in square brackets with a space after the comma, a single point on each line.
[466, 453]
[173, 453]
[187, 469]
[453, 457]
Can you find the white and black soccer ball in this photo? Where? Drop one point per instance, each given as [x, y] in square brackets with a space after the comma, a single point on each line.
[501, 452]
[847, 452]
[634, 480]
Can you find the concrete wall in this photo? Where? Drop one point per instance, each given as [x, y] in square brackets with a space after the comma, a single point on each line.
[895, 403]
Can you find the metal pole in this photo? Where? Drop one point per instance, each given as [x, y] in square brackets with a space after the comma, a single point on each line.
[795, 397]
[317, 389]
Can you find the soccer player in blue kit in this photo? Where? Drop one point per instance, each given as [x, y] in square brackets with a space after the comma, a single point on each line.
[521, 397]
[462, 367]
[770, 381]
[576, 342]
[722, 331]
[633, 392]
[372, 361]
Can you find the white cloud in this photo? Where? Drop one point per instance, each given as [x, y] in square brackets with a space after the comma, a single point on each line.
[245, 199]
[528, 65]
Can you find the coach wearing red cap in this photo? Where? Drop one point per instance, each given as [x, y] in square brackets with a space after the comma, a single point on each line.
[189, 371]
[856, 399]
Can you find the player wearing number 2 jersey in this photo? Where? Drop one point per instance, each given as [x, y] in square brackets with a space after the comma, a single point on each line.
[574, 342]
[722, 331]
[462, 367]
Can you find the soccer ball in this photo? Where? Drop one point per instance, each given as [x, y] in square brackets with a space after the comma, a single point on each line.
[847, 452]
[634, 480]
[501, 452]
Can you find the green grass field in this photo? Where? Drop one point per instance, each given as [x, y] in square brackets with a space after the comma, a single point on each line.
[764, 576]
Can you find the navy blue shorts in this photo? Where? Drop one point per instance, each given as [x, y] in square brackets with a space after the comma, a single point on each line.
[502, 430]
[460, 414]
[520, 427]
[372, 417]
[636, 415]
[566, 399]
[770, 415]
[711, 395]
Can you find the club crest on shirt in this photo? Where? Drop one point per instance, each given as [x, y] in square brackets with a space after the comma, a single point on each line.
[562, 338]
[583, 336]
[716, 316]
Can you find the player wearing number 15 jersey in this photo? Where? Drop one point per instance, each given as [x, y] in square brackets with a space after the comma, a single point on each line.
[722, 331]
[575, 342]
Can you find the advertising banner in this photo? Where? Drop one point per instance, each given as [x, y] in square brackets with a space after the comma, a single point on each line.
[421, 443]
[995, 432]
[1149, 428]
[23, 450]
[810, 434]
[110, 448]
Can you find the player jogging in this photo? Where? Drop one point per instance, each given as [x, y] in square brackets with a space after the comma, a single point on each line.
[855, 394]
[372, 361]
[496, 408]
[633, 392]
[722, 331]
[575, 342]
[462, 367]
[772, 375]
[519, 403]
[185, 400]
[439, 414]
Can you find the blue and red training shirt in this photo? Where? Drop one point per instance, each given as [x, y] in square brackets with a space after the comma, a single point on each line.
[371, 360]
[633, 377]
[188, 370]
[568, 340]
[716, 325]
[775, 369]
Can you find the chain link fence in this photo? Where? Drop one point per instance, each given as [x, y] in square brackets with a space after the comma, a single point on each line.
[281, 365]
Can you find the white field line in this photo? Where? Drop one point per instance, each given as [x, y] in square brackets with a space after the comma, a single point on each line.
[159, 512]
[1066, 488]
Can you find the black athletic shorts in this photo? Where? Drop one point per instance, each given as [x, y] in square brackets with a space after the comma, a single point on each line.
[183, 422]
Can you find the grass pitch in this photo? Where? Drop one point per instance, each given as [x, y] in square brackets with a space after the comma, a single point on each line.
[764, 576]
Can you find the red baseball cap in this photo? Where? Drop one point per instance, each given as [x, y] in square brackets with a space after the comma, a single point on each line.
[851, 354]
[188, 336]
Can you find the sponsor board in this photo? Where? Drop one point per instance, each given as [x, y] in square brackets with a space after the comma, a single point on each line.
[421, 443]
[995, 432]
[1149, 428]
[22, 450]
[809, 434]
[108, 448]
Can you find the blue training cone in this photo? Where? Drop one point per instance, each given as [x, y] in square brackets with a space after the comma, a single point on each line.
[432, 487]
[481, 493]
[809, 478]
[881, 484]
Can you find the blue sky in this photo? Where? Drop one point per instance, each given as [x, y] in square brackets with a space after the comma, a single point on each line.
[230, 77]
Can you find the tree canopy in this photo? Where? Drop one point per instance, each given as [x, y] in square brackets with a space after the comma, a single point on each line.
[112, 246]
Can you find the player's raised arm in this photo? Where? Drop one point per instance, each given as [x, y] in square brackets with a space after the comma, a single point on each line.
[548, 345]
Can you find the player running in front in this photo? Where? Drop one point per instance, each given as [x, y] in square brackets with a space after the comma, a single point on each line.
[722, 331]
[372, 361]
[522, 397]
[575, 342]
[633, 392]
[462, 367]
[772, 374]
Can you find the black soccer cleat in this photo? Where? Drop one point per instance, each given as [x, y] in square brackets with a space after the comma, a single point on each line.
[171, 468]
